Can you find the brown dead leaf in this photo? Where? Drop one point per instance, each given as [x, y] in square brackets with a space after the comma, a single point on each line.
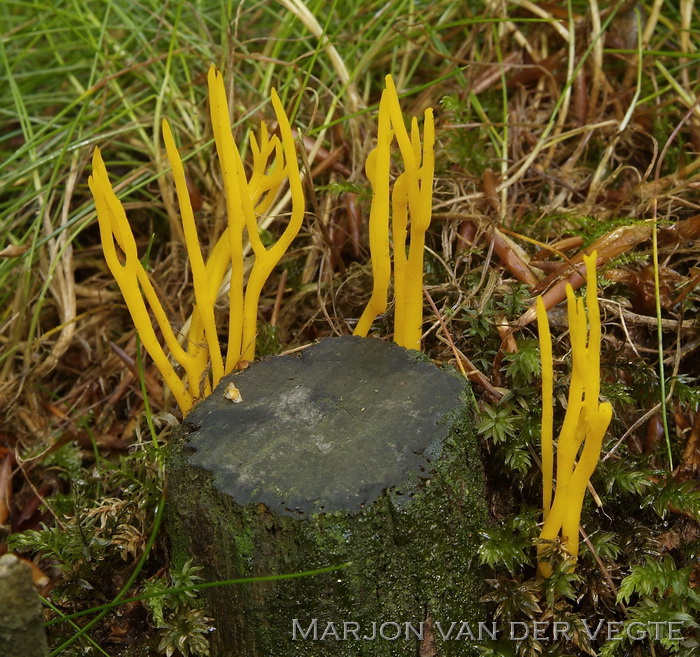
[690, 461]
[5, 488]
[13, 251]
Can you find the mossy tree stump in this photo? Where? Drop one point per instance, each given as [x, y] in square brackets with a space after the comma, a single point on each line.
[21, 619]
[354, 450]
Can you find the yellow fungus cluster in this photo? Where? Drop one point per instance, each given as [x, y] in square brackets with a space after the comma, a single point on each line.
[247, 197]
[411, 198]
[585, 422]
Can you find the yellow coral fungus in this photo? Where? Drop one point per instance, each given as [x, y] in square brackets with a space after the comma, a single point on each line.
[134, 283]
[411, 197]
[247, 197]
[547, 407]
[585, 422]
[377, 169]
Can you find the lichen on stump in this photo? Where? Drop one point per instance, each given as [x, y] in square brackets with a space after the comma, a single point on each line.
[354, 450]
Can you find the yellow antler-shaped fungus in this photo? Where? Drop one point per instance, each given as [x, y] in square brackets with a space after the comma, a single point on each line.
[377, 169]
[411, 197]
[585, 422]
[246, 199]
[135, 286]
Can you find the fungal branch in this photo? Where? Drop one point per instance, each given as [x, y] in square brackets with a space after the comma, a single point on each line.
[410, 206]
[247, 198]
[585, 423]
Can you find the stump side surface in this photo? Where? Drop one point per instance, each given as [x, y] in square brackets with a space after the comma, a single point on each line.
[21, 622]
[326, 430]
